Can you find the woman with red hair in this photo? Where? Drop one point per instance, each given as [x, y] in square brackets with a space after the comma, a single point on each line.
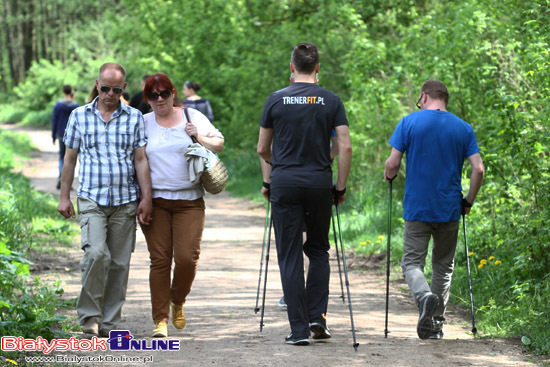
[175, 231]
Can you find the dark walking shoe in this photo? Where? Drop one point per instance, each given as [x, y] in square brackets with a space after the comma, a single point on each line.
[296, 341]
[437, 329]
[427, 306]
[437, 335]
[319, 328]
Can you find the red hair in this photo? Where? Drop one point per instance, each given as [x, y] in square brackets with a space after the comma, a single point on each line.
[159, 82]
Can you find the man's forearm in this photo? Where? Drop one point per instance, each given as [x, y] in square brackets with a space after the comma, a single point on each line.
[67, 178]
[266, 171]
[144, 179]
[476, 179]
[344, 166]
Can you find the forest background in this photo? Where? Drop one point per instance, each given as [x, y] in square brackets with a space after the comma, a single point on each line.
[493, 55]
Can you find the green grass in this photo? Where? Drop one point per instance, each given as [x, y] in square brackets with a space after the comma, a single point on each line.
[29, 223]
[245, 178]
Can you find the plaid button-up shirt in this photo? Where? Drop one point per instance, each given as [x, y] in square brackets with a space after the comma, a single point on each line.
[106, 152]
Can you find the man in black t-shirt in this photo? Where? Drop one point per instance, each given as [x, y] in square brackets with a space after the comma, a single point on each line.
[294, 143]
[137, 99]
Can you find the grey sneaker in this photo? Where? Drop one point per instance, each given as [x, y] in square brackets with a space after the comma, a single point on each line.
[282, 302]
[427, 306]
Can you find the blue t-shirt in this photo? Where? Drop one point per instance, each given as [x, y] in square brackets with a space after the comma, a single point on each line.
[436, 144]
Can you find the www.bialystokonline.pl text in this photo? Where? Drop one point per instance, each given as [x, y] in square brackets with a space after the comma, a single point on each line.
[63, 358]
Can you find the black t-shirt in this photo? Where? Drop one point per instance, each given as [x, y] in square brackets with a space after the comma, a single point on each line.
[302, 117]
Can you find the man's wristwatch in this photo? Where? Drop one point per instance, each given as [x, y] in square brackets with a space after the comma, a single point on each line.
[267, 185]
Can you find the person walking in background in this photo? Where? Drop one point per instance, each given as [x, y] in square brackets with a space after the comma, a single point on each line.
[175, 232]
[61, 112]
[137, 100]
[108, 138]
[193, 100]
[294, 144]
[436, 143]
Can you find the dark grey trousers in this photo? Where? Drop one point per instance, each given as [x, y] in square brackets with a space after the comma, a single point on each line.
[415, 248]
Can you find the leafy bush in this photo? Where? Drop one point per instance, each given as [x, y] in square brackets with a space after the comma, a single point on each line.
[10, 113]
[37, 118]
[43, 83]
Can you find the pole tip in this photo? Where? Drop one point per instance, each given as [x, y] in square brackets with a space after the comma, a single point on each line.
[474, 331]
[256, 309]
[355, 346]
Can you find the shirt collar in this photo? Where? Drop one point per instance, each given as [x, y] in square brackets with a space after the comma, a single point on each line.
[92, 107]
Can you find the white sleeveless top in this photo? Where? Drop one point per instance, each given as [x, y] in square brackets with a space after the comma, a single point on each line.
[165, 152]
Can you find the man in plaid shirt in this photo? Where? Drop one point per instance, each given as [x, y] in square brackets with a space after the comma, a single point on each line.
[115, 185]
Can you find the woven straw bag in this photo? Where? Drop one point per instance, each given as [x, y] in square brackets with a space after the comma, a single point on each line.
[216, 177]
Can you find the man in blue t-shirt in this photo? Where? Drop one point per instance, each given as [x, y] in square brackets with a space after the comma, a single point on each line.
[294, 143]
[436, 143]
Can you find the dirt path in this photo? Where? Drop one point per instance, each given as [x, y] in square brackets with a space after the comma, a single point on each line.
[223, 329]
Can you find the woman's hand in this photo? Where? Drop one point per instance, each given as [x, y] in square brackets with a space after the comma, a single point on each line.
[191, 130]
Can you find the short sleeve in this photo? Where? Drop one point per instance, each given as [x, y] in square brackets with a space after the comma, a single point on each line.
[139, 134]
[72, 135]
[472, 147]
[340, 117]
[399, 138]
[266, 121]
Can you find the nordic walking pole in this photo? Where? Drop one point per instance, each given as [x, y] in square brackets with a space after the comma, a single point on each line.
[265, 276]
[474, 329]
[355, 344]
[388, 259]
[338, 258]
[267, 216]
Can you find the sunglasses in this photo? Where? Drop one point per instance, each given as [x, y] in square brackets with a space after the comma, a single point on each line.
[106, 89]
[155, 96]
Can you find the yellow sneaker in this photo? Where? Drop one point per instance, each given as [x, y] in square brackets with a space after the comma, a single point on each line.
[161, 331]
[178, 317]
